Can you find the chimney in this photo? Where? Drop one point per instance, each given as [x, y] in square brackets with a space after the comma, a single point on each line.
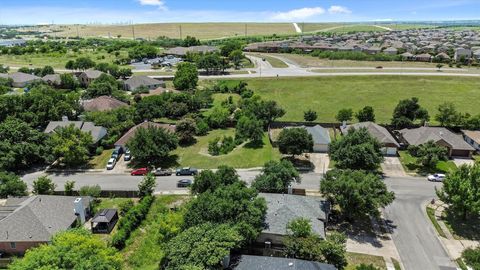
[79, 210]
[64, 118]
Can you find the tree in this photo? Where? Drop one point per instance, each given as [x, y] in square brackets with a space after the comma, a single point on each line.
[300, 227]
[4, 69]
[236, 57]
[186, 76]
[461, 190]
[366, 114]
[471, 256]
[11, 185]
[47, 70]
[203, 246]
[105, 85]
[218, 117]
[73, 249]
[234, 204]
[71, 65]
[344, 115]
[124, 73]
[407, 112]
[276, 176]
[208, 180]
[186, 130]
[147, 186]
[43, 186]
[67, 81]
[69, 186]
[152, 145]
[249, 128]
[92, 191]
[210, 62]
[295, 141]
[190, 41]
[310, 115]
[448, 116]
[357, 150]
[264, 110]
[366, 267]
[357, 193]
[439, 66]
[230, 46]
[429, 153]
[84, 63]
[70, 145]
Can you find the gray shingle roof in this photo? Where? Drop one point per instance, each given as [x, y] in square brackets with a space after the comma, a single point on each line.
[377, 131]
[136, 81]
[97, 132]
[20, 77]
[249, 262]
[104, 216]
[195, 49]
[130, 133]
[92, 74]
[37, 218]
[52, 78]
[319, 134]
[418, 136]
[282, 208]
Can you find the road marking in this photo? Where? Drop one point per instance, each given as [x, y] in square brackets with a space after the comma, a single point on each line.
[297, 28]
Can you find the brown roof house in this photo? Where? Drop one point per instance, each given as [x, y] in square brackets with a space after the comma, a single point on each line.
[28, 222]
[97, 132]
[390, 145]
[472, 137]
[52, 79]
[456, 145]
[135, 82]
[21, 79]
[122, 142]
[86, 77]
[102, 104]
[182, 51]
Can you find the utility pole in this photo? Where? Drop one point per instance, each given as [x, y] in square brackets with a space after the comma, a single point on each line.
[78, 33]
[133, 31]
[180, 30]
[246, 30]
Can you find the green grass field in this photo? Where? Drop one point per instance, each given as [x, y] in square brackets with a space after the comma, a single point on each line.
[327, 95]
[241, 157]
[355, 259]
[411, 165]
[275, 62]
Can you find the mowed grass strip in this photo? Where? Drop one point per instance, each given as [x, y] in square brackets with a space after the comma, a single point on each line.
[327, 95]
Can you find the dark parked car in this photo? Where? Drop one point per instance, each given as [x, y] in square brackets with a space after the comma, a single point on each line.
[162, 172]
[141, 171]
[186, 171]
[184, 183]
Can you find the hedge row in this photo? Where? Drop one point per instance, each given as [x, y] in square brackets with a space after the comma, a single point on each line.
[131, 221]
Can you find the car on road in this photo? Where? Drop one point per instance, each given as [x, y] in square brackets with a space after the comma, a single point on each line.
[162, 172]
[438, 177]
[184, 183]
[186, 171]
[111, 163]
[140, 171]
[127, 156]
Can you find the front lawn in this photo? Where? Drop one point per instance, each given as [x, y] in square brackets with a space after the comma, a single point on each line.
[100, 161]
[411, 165]
[356, 259]
[433, 219]
[244, 156]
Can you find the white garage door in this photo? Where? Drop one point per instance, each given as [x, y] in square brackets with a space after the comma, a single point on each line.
[320, 148]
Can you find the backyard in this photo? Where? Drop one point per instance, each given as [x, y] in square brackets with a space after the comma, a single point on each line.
[327, 95]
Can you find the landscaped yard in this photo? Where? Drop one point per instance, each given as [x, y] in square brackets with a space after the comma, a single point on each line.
[355, 259]
[243, 156]
[275, 62]
[100, 161]
[327, 95]
[462, 229]
[411, 165]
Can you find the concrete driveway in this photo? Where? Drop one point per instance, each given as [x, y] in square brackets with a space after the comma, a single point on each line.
[320, 161]
[392, 167]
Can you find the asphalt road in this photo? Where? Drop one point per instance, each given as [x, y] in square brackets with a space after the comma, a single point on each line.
[413, 234]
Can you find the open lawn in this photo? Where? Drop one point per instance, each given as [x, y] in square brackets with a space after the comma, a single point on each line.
[177, 30]
[327, 95]
[411, 165]
[275, 62]
[244, 156]
[354, 28]
[100, 161]
[355, 259]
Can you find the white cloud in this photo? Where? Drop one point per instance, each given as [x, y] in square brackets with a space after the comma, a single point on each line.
[296, 14]
[339, 10]
[159, 3]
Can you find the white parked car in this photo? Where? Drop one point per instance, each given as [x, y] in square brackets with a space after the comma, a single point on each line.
[111, 163]
[438, 177]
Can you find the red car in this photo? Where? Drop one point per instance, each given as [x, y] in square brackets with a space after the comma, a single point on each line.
[141, 171]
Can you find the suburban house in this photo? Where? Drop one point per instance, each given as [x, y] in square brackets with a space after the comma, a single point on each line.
[102, 104]
[97, 132]
[28, 222]
[462, 53]
[52, 79]
[321, 138]
[476, 54]
[86, 77]
[104, 221]
[122, 142]
[182, 51]
[135, 82]
[391, 51]
[249, 262]
[456, 145]
[390, 145]
[424, 57]
[283, 208]
[21, 79]
[443, 57]
[12, 42]
[472, 137]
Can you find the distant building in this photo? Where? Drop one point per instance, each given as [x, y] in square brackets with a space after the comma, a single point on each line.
[182, 51]
[134, 82]
[86, 77]
[20, 79]
[462, 53]
[102, 104]
[52, 79]
[12, 42]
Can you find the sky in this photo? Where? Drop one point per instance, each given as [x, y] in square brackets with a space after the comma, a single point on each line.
[143, 11]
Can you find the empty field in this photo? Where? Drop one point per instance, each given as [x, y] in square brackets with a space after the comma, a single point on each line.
[327, 95]
[177, 30]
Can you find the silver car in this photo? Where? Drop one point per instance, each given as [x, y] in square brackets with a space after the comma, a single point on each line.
[111, 163]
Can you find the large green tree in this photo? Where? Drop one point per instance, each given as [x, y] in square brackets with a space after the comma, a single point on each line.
[429, 154]
[357, 150]
[152, 145]
[202, 247]
[43, 186]
[367, 114]
[471, 256]
[11, 185]
[448, 116]
[186, 76]
[249, 128]
[264, 110]
[344, 115]
[461, 190]
[70, 145]
[208, 180]
[295, 141]
[117, 122]
[357, 193]
[74, 249]
[276, 176]
[186, 130]
[234, 204]
[407, 112]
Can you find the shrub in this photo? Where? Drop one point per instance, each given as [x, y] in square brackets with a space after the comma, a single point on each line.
[92, 191]
[202, 128]
[99, 150]
[125, 207]
[222, 146]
